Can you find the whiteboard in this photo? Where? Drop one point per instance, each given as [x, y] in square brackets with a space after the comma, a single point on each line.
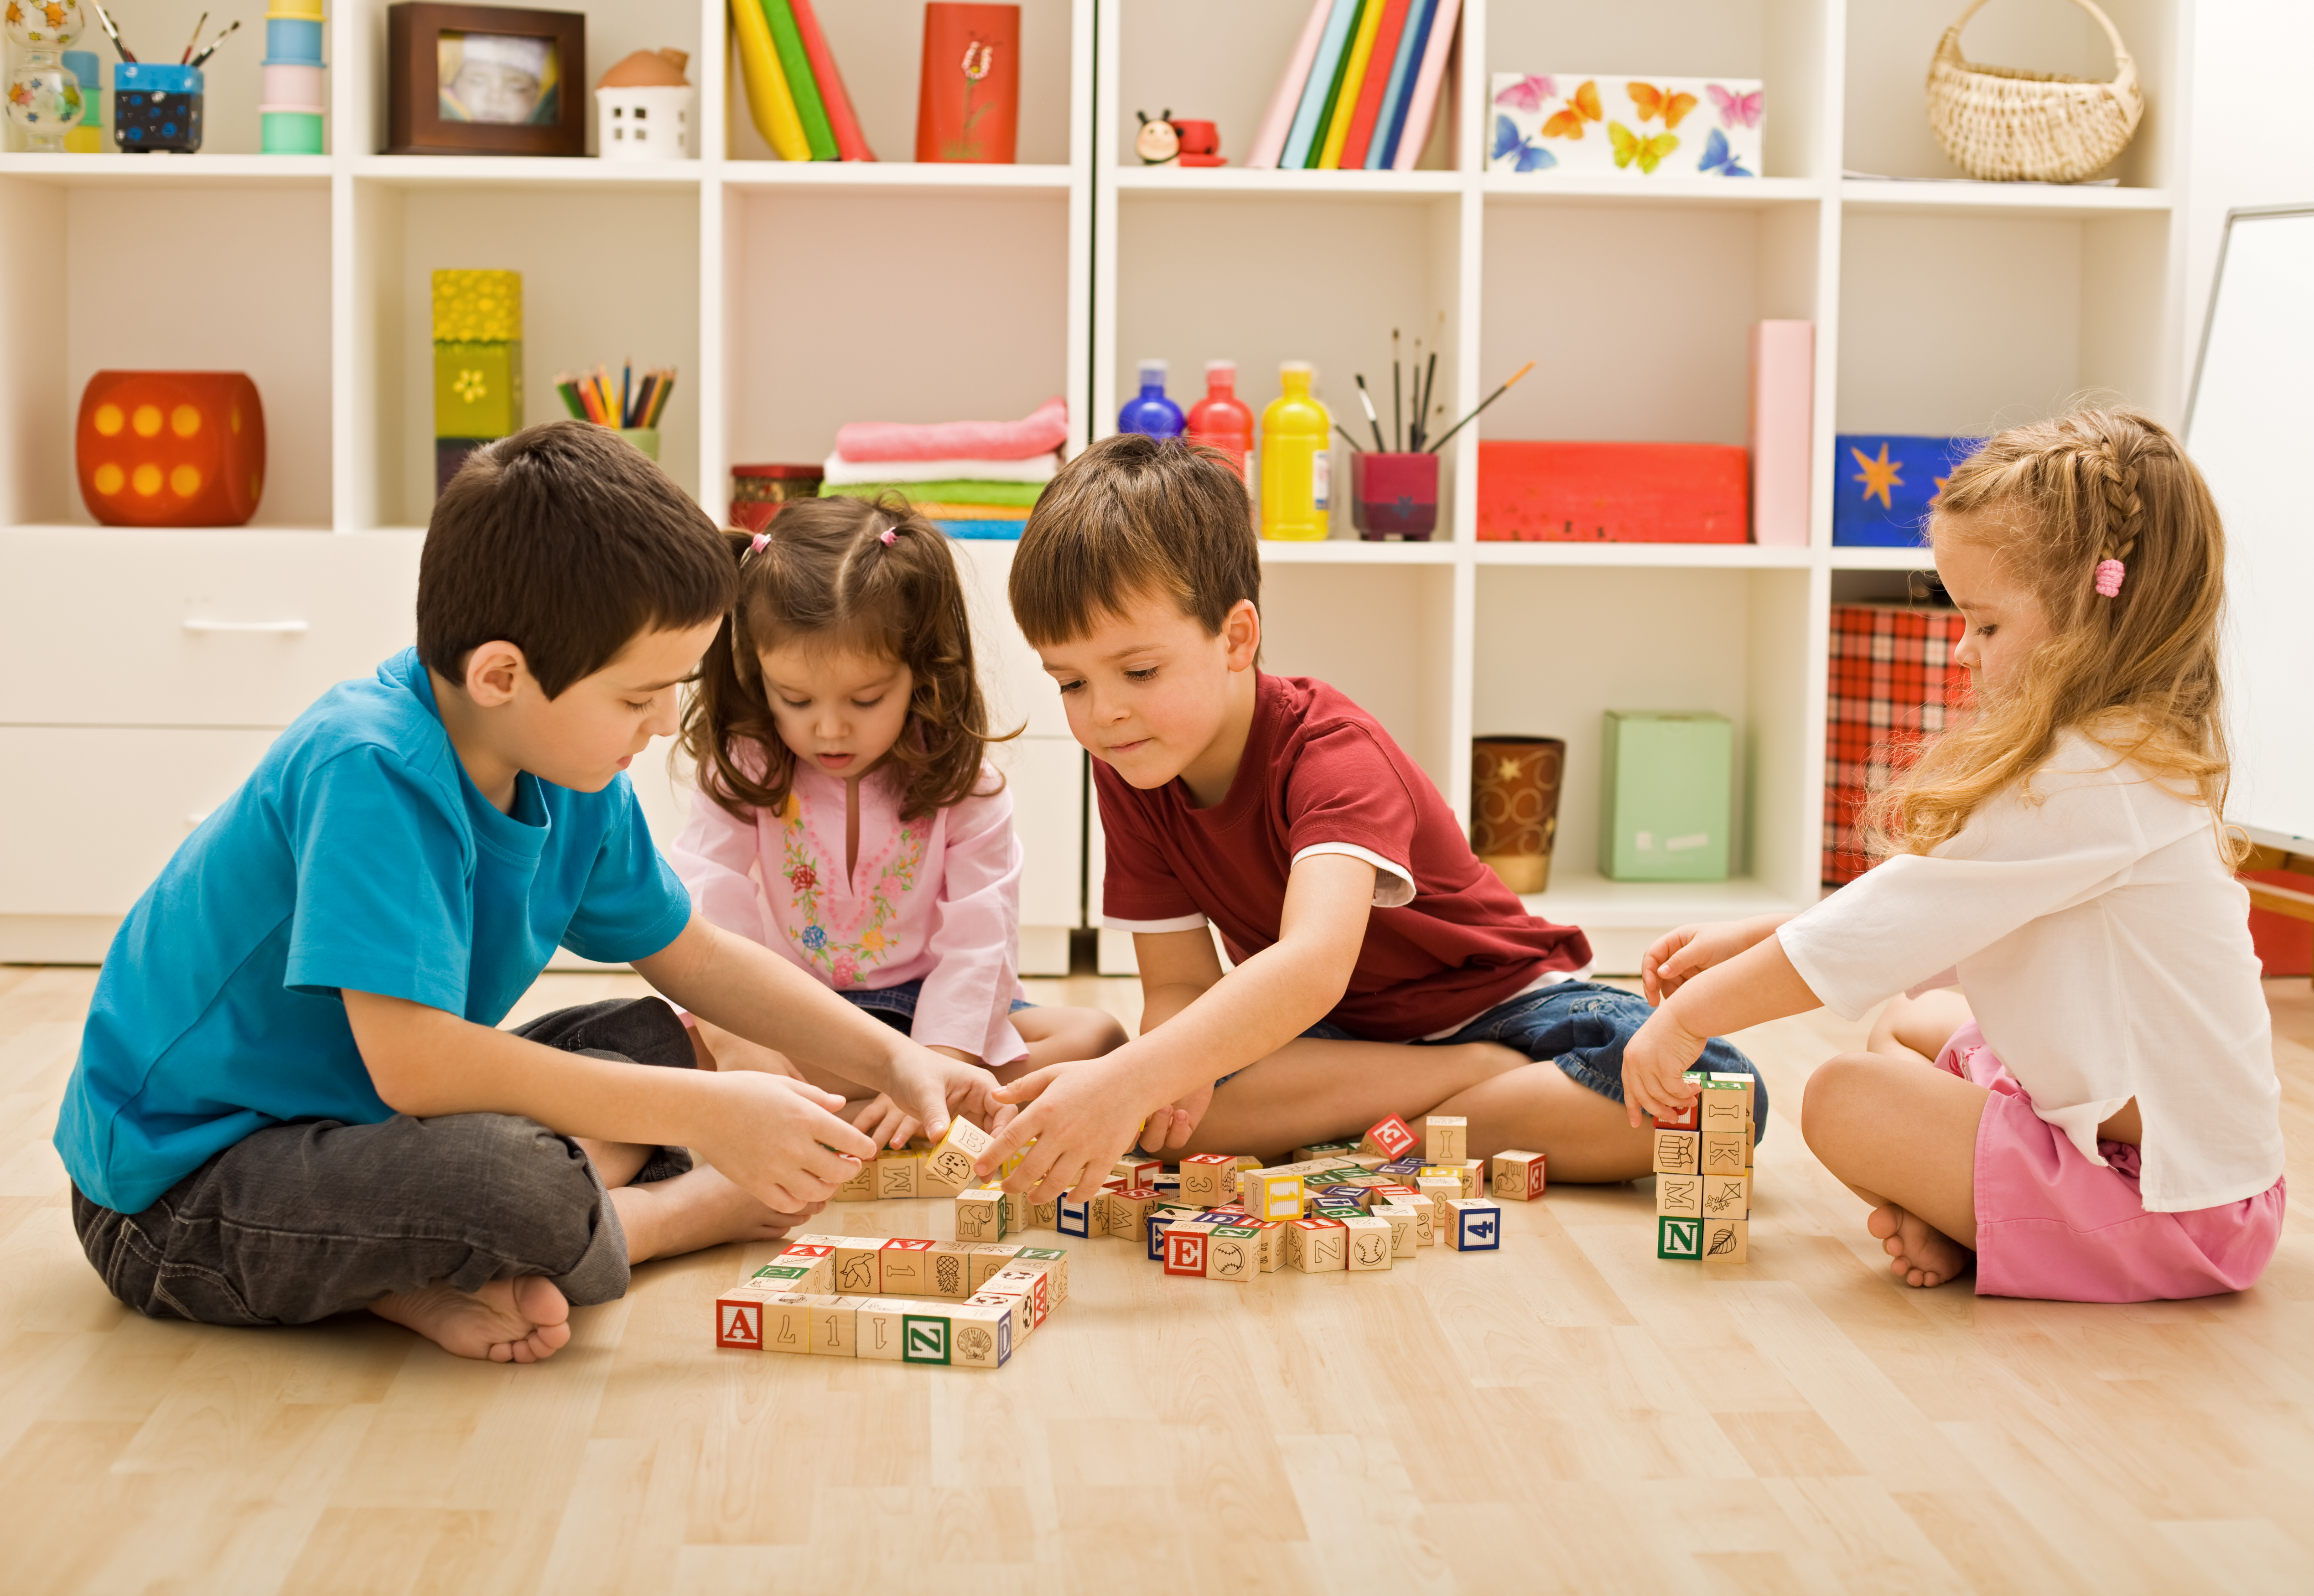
[2249, 426]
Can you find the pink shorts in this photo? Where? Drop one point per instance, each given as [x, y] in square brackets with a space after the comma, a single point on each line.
[2051, 1224]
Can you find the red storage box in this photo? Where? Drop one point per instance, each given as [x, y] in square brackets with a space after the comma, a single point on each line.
[1534, 492]
[1892, 681]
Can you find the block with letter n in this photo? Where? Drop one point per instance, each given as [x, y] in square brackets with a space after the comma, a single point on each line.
[1677, 1238]
[924, 1338]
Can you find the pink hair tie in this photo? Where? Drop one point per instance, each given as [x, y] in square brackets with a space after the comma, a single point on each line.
[759, 542]
[2110, 573]
[888, 536]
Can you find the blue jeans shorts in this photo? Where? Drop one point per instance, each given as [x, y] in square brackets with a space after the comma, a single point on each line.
[895, 1006]
[1580, 1025]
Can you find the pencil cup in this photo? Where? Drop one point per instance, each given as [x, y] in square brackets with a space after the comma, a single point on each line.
[1395, 493]
[645, 438]
[156, 107]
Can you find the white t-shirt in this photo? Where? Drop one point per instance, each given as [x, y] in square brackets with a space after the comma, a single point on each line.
[2104, 947]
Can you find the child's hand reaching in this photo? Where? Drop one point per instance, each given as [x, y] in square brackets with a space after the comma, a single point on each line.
[1172, 1125]
[926, 1086]
[1082, 1118]
[777, 1138]
[1654, 1060]
[1692, 950]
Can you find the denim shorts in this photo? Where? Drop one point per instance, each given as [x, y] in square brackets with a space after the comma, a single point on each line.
[1580, 1025]
[895, 1006]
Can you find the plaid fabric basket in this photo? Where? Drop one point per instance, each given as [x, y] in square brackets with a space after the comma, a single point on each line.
[1892, 682]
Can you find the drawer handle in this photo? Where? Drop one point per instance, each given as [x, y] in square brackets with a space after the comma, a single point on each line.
[278, 628]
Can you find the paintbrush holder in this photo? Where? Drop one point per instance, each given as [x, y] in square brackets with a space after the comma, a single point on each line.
[1395, 493]
[645, 438]
[156, 107]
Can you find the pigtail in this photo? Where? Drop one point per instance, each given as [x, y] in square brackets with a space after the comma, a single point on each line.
[728, 734]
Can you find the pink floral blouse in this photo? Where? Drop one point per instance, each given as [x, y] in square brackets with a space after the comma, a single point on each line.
[936, 900]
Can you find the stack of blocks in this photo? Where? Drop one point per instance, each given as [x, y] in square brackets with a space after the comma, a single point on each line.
[291, 102]
[1703, 1172]
[477, 363]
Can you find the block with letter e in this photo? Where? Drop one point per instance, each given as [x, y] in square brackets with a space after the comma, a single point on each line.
[1185, 1247]
[1518, 1176]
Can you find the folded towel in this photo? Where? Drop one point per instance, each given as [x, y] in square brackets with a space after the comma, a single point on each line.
[993, 531]
[950, 510]
[1039, 434]
[847, 472]
[1022, 494]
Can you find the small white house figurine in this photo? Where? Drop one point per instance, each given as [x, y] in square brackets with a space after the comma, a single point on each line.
[642, 108]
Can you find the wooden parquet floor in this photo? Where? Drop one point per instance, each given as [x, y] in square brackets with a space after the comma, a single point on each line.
[1567, 1415]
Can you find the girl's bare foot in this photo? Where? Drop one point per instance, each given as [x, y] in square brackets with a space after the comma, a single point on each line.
[1919, 1253]
[701, 1208]
[507, 1321]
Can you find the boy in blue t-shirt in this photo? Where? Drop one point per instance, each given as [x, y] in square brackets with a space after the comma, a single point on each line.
[291, 1098]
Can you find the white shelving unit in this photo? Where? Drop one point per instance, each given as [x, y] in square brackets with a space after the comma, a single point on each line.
[795, 296]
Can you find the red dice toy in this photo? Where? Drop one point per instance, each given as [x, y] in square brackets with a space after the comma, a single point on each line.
[170, 448]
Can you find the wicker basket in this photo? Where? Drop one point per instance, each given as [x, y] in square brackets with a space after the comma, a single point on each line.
[2008, 126]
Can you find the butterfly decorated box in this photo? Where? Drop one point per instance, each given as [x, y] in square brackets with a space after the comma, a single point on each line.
[1651, 126]
[1882, 482]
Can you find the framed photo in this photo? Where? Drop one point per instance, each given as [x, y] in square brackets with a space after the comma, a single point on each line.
[485, 80]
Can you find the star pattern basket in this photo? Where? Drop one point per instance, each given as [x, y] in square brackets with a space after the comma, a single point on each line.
[2005, 125]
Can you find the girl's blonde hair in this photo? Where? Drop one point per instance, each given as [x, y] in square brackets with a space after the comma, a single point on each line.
[2137, 671]
[876, 578]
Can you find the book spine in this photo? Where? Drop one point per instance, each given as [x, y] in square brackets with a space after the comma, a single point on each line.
[1370, 89]
[1353, 83]
[1269, 143]
[1422, 106]
[797, 66]
[1320, 82]
[1401, 76]
[843, 121]
[769, 105]
[1783, 383]
[1331, 107]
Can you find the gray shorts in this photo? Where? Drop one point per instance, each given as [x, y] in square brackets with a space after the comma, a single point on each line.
[302, 1221]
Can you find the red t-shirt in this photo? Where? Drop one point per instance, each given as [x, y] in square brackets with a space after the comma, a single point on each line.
[1321, 775]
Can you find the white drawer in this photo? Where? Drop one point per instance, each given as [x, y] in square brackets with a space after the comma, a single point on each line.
[88, 816]
[106, 626]
[1010, 673]
[1046, 777]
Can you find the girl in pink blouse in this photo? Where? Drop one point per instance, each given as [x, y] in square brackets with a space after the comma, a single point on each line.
[848, 817]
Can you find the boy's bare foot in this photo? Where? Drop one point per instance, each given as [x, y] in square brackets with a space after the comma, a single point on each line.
[701, 1208]
[507, 1321]
[1919, 1253]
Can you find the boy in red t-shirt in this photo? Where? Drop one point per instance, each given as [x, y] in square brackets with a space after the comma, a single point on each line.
[1381, 968]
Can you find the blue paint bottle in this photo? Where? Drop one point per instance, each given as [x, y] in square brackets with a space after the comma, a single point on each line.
[1150, 411]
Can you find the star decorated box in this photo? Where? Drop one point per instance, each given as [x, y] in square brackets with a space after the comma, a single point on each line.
[1882, 482]
[1635, 126]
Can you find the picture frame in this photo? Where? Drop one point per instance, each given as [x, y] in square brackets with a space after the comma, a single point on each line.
[485, 80]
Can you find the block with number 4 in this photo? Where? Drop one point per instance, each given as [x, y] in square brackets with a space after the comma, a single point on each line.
[1518, 1176]
[1470, 1226]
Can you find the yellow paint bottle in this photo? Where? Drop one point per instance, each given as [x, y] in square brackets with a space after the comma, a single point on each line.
[1295, 459]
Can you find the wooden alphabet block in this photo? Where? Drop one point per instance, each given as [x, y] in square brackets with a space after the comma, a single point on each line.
[1073, 1219]
[1684, 1119]
[924, 1335]
[1128, 1212]
[1518, 1176]
[1440, 1189]
[1161, 1216]
[1322, 1249]
[1678, 1238]
[740, 1316]
[1209, 1178]
[1233, 1253]
[896, 1173]
[980, 1337]
[1368, 1241]
[1339, 1196]
[1015, 1304]
[1726, 1196]
[1042, 1215]
[1337, 1210]
[1679, 1153]
[1445, 1139]
[860, 1267]
[806, 1274]
[908, 1272]
[1271, 1193]
[991, 1257]
[1032, 1280]
[980, 1214]
[1742, 1086]
[1392, 1138]
[876, 1328]
[1726, 1152]
[860, 1187]
[1269, 1244]
[1426, 1218]
[1681, 1195]
[1055, 1261]
[1399, 1217]
[832, 1322]
[1185, 1247]
[1472, 1226]
[787, 1323]
[947, 1266]
[1727, 1240]
[948, 1168]
[1016, 1212]
[1137, 1170]
[800, 1247]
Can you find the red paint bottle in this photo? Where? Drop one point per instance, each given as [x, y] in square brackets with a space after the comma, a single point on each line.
[1220, 419]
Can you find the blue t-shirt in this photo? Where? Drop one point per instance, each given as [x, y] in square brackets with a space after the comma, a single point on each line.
[360, 855]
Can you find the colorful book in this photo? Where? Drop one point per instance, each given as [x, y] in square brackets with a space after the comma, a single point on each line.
[1422, 107]
[1331, 108]
[1303, 137]
[1392, 121]
[843, 121]
[1375, 83]
[769, 105]
[796, 66]
[1269, 143]
[1354, 80]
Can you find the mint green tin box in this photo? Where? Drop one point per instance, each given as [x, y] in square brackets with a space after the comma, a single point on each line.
[1665, 807]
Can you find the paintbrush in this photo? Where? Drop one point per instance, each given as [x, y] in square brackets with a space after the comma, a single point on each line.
[113, 33]
[1373, 420]
[1397, 403]
[1346, 438]
[1483, 403]
[1429, 391]
[186, 54]
[219, 39]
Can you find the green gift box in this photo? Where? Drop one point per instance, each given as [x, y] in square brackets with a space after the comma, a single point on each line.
[1664, 808]
[477, 389]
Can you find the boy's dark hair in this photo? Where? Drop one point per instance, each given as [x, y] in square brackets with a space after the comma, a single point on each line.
[566, 542]
[827, 575]
[1135, 514]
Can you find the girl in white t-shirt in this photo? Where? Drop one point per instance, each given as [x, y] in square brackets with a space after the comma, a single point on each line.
[2101, 1121]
